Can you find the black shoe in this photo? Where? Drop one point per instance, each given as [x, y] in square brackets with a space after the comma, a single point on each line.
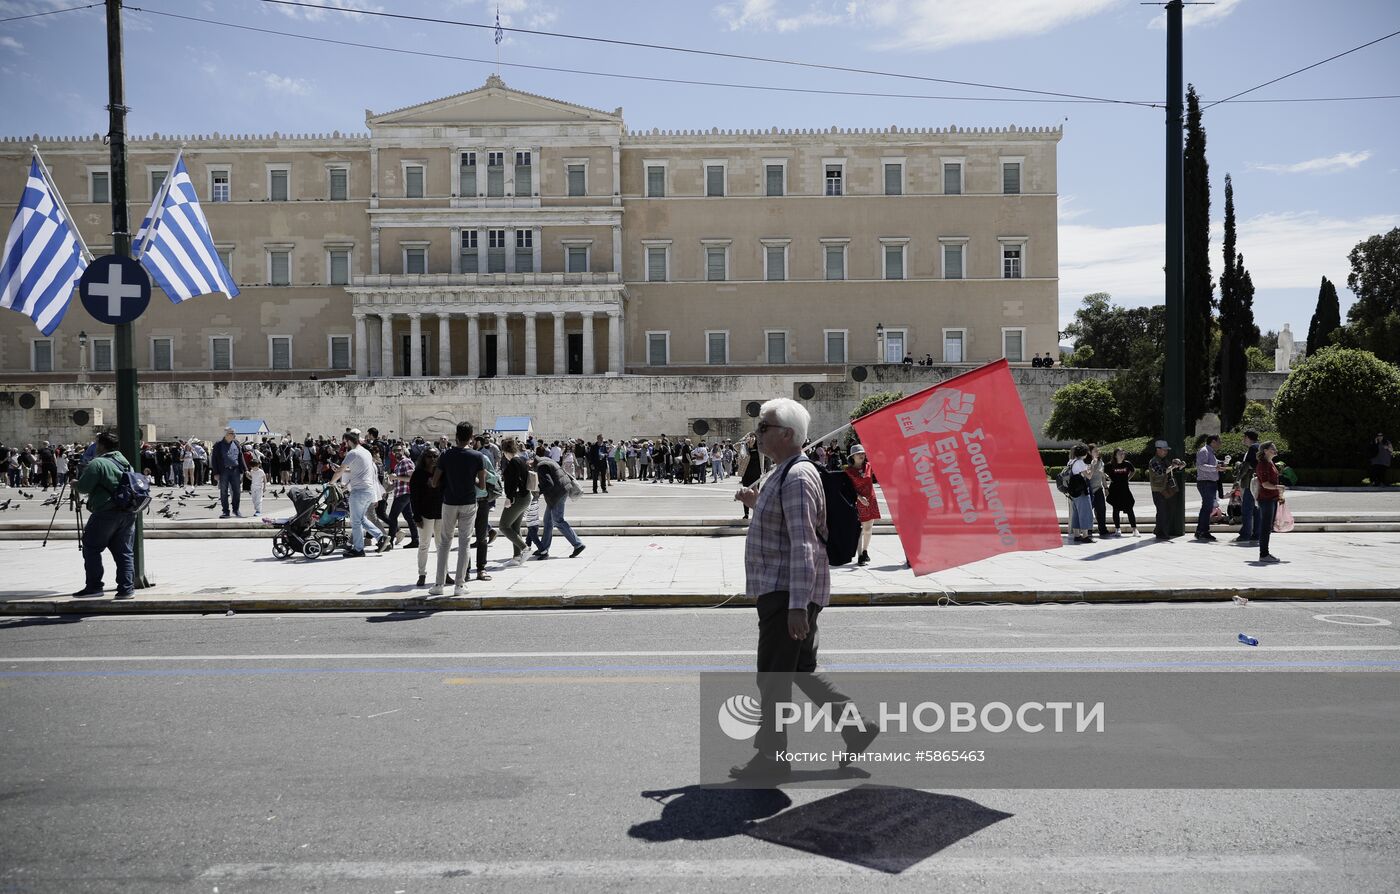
[578, 549]
[1202, 538]
[225, 515]
[126, 594]
[87, 591]
[422, 580]
[864, 558]
[491, 536]
[538, 552]
[541, 556]
[859, 740]
[761, 769]
[354, 554]
[382, 544]
[412, 544]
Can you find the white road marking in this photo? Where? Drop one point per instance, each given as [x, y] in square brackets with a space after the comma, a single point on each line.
[1268, 864]
[716, 653]
[1360, 620]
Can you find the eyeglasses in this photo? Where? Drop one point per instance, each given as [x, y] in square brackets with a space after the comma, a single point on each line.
[767, 426]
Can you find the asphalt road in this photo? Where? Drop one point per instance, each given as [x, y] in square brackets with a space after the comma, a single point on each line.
[556, 751]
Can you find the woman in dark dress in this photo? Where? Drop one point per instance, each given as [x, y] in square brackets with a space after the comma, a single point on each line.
[1120, 497]
[753, 465]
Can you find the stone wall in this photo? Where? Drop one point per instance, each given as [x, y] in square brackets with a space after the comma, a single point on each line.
[571, 405]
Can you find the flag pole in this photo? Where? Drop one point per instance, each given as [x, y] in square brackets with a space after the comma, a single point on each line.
[63, 206]
[838, 431]
[158, 204]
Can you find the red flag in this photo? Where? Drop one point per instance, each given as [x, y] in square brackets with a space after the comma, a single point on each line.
[959, 469]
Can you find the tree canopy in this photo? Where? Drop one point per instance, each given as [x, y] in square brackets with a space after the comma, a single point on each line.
[1116, 337]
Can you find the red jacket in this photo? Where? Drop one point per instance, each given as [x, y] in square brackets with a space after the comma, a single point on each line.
[865, 487]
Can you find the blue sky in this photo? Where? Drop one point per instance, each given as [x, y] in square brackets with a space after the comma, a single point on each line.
[1311, 179]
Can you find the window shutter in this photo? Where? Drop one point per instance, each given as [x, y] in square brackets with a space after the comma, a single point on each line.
[952, 262]
[576, 180]
[470, 263]
[656, 350]
[714, 264]
[835, 348]
[894, 262]
[714, 180]
[775, 180]
[495, 177]
[835, 262]
[340, 268]
[894, 180]
[777, 347]
[340, 353]
[717, 345]
[43, 356]
[278, 186]
[160, 348]
[281, 268]
[524, 182]
[281, 353]
[102, 355]
[340, 189]
[952, 179]
[157, 181]
[656, 264]
[413, 183]
[776, 263]
[1011, 178]
[101, 191]
[222, 353]
[656, 181]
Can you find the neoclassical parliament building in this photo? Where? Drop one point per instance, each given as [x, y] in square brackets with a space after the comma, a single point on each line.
[500, 233]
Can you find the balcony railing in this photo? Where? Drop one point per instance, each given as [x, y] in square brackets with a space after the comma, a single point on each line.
[443, 280]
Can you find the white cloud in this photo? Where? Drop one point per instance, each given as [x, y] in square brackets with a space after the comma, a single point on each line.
[766, 15]
[10, 43]
[1063, 210]
[529, 14]
[282, 84]
[1198, 15]
[1331, 164]
[318, 15]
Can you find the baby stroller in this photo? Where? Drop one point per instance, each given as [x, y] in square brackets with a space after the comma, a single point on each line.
[318, 527]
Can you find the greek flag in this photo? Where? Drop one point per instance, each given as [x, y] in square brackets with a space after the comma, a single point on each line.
[174, 244]
[500, 35]
[44, 256]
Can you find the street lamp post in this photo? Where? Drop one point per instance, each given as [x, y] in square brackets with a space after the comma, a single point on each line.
[879, 342]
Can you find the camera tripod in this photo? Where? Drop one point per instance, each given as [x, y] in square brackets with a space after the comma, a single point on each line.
[77, 502]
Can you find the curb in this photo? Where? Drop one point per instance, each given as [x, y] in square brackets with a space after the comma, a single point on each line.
[285, 604]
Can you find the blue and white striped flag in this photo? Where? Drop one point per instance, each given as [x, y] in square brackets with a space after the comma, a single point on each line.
[43, 259]
[500, 34]
[174, 244]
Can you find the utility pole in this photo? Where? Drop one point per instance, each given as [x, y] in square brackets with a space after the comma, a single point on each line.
[128, 410]
[1174, 374]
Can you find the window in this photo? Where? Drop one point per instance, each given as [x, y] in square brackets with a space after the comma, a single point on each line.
[339, 267]
[578, 179]
[41, 355]
[338, 351]
[774, 178]
[576, 257]
[415, 259]
[524, 175]
[952, 177]
[467, 257]
[775, 262]
[894, 260]
[524, 250]
[100, 183]
[894, 177]
[495, 174]
[162, 353]
[218, 185]
[777, 347]
[835, 176]
[466, 172]
[413, 181]
[226, 257]
[658, 348]
[953, 341]
[278, 184]
[835, 346]
[1011, 176]
[279, 267]
[220, 352]
[101, 354]
[279, 351]
[1012, 255]
[1013, 344]
[717, 348]
[835, 261]
[716, 263]
[656, 181]
[714, 178]
[340, 183]
[657, 258]
[894, 345]
[495, 251]
[158, 176]
[954, 260]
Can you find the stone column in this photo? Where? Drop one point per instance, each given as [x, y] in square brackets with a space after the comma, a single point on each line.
[473, 346]
[531, 366]
[415, 345]
[444, 344]
[617, 250]
[614, 342]
[588, 343]
[502, 345]
[386, 345]
[361, 347]
[561, 363]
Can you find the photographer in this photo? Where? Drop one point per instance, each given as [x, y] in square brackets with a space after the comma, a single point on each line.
[1162, 474]
[108, 528]
[1380, 460]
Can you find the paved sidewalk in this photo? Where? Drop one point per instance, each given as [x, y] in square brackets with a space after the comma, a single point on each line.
[218, 575]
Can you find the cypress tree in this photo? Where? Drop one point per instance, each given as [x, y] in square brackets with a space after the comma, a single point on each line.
[1200, 293]
[1237, 329]
[1326, 319]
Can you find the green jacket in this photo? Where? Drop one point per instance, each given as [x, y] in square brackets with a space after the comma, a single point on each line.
[101, 478]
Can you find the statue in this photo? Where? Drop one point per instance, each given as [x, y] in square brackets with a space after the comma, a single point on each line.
[1283, 354]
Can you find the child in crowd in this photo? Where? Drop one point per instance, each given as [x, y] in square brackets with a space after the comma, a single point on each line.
[257, 479]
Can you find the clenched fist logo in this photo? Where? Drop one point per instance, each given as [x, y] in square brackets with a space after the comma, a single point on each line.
[947, 409]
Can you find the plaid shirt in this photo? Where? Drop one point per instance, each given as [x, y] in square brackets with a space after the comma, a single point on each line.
[783, 550]
[405, 467]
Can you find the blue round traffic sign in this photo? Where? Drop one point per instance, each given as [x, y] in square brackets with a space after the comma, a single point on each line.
[115, 289]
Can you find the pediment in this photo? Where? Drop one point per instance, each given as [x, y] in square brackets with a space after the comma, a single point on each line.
[493, 103]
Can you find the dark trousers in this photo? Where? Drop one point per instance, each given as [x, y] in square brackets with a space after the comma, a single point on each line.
[1100, 511]
[1267, 510]
[1249, 516]
[1208, 490]
[115, 532]
[1118, 513]
[1378, 473]
[510, 521]
[783, 661]
[1163, 506]
[483, 526]
[402, 505]
[598, 471]
[228, 484]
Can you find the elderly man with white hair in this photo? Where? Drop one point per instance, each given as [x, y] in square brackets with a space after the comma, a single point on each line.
[787, 571]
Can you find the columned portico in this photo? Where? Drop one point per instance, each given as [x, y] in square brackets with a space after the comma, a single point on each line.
[588, 343]
[473, 346]
[444, 344]
[386, 345]
[614, 342]
[502, 345]
[415, 344]
[531, 349]
[560, 361]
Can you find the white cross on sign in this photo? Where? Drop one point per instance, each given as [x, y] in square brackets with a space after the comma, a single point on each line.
[114, 290]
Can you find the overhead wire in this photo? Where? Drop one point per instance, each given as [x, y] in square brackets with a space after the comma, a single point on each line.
[48, 12]
[1301, 70]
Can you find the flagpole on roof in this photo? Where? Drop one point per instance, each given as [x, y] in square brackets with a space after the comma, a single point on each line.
[63, 206]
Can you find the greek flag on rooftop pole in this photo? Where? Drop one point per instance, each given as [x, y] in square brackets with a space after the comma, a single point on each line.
[44, 255]
[174, 243]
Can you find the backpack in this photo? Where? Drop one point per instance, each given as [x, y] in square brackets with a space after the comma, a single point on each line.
[1062, 481]
[842, 539]
[133, 491]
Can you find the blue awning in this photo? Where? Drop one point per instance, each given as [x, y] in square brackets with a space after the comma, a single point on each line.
[246, 427]
[513, 424]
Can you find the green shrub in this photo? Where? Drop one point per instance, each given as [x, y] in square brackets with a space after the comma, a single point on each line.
[1084, 411]
[1330, 477]
[875, 402]
[1056, 458]
[1333, 404]
[1256, 416]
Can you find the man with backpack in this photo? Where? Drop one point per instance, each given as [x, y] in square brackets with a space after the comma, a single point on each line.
[787, 571]
[111, 524]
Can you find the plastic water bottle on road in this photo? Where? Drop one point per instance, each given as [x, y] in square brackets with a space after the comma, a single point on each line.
[1248, 640]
